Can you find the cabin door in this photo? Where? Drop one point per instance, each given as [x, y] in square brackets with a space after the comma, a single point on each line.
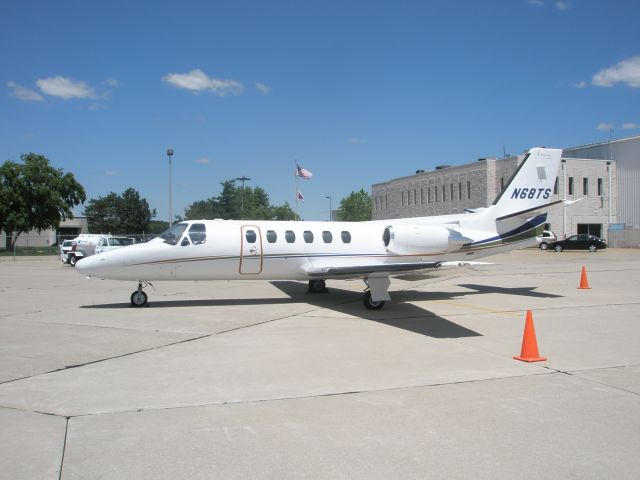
[251, 250]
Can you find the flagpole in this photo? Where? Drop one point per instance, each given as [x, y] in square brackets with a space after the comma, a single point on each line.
[295, 185]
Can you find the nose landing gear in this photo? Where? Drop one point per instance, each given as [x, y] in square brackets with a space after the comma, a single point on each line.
[138, 297]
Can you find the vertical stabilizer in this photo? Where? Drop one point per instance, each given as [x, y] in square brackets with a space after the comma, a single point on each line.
[531, 186]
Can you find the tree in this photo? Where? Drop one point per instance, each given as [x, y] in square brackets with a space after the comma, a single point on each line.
[119, 214]
[35, 196]
[235, 202]
[356, 207]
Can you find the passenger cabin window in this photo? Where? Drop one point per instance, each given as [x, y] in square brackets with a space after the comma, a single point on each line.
[327, 237]
[272, 236]
[251, 236]
[198, 233]
[289, 236]
[308, 236]
[346, 236]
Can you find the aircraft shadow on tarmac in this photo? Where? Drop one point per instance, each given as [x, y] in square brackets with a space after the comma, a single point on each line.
[399, 313]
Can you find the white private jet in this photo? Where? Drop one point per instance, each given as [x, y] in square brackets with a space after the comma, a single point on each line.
[318, 251]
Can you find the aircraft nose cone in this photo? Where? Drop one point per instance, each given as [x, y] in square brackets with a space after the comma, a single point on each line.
[89, 266]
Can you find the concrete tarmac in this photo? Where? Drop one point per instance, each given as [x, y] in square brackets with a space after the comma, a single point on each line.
[263, 380]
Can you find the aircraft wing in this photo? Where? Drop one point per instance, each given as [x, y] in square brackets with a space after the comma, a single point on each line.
[383, 269]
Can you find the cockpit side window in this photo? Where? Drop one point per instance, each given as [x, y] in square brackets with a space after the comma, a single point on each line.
[172, 235]
[198, 233]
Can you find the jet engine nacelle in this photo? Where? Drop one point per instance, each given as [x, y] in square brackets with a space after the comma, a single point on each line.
[407, 239]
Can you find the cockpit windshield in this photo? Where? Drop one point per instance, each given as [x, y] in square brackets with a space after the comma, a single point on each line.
[172, 235]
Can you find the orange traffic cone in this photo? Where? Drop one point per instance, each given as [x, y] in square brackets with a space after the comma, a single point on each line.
[584, 283]
[529, 351]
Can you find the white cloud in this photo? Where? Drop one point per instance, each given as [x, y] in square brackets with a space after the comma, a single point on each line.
[562, 6]
[356, 140]
[536, 3]
[627, 71]
[23, 93]
[112, 82]
[65, 87]
[580, 84]
[630, 126]
[203, 161]
[198, 81]
[110, 173]
[262, 88]
[604, 127]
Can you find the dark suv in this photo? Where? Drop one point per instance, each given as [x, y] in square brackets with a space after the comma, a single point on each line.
[579, 242]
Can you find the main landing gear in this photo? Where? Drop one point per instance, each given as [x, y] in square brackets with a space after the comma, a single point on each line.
[377, 287]
[138, 297]
[369, 303]
[317, 286]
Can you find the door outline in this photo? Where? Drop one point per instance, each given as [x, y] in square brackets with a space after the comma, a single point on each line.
[251, 257]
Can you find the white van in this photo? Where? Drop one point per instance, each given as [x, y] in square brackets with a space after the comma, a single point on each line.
[83, 246]
[111, 243]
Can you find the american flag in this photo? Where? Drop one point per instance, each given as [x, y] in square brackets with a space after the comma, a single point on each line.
[302, 172]
[299, 196]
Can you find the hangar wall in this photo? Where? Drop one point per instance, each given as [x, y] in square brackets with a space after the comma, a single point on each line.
[626, 153]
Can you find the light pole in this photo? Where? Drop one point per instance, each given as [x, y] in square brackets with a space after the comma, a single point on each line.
[242, 179]
[170, 154]
[330, 207]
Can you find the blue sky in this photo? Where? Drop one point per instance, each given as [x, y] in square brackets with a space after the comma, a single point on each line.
[357, 92]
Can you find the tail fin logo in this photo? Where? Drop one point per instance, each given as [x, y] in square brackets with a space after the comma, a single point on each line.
[531, 193]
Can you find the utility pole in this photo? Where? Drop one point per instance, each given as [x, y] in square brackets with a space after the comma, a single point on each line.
[170, 154]
[242, 179]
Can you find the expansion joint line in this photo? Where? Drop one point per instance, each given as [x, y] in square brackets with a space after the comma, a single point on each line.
[64, 447]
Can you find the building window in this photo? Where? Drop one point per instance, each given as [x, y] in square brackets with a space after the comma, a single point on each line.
[501, 183]
[422, 196]
[599, 187]
[469, 189]
[570, 185]
[459, 191]
[451, 192]
[428, 194]
[555, 186]
[415, 196]
[436, 193]
[444, 194]
[585, 186]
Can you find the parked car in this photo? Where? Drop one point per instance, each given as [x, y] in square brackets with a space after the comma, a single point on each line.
[546, 239]
[579, 242]
[63, 250]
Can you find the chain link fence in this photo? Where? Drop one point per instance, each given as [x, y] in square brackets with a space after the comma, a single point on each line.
[38, 245]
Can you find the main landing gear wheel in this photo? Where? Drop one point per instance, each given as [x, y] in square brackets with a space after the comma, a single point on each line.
[139, 298]
[317, 286]
[369, 303]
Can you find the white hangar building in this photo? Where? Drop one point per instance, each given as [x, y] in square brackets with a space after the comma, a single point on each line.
[605, 175]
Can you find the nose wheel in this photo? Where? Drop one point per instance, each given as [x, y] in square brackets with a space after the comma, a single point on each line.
[139, 298]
